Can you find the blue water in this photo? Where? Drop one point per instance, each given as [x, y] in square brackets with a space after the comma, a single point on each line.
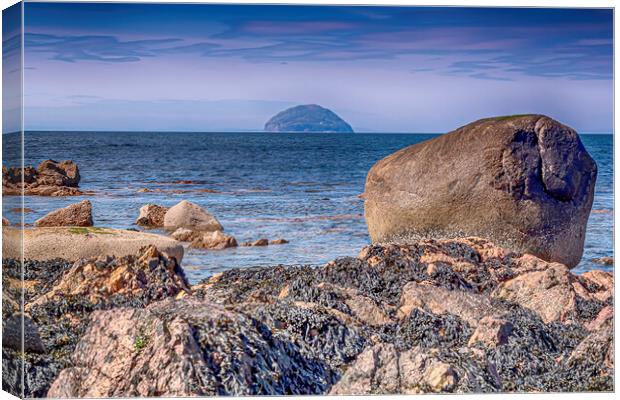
[301, 187]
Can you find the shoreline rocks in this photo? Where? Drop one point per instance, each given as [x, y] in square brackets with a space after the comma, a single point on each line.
[50, 178]
[454, 315]
[525, 182]
[79, 214]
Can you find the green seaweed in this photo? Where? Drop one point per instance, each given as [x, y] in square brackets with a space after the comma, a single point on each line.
[78, 230]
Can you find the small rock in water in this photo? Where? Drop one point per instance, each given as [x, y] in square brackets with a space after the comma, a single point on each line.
[257, 243]
[278, 241]
[217, 240]
[604, 260]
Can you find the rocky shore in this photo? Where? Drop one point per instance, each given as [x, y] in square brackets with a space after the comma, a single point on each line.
[458, 315]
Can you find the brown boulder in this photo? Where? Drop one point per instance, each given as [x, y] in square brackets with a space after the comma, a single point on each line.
[53, 173]
[79, 214]
[151, 216]
[524, 182]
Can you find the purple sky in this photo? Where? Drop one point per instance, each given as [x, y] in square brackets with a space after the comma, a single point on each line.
[211, 68]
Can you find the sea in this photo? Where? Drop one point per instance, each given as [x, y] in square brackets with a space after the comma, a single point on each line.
[302, 187]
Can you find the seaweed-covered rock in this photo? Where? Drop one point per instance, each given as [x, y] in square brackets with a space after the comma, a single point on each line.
[59, 298]
[525, 182]
[423, 317]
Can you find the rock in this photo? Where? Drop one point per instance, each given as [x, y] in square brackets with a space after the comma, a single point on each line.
[5, 222]
[183, 235]
[278, 241]
[50, 178]
[469, 306]
[307, 118]
[60, 297]
[258, 243]
[491, 331]
[524, 182]
[12, 334]
[151, 216]
[214, 240]
[53, 173]
[534, 290]
[79, 214]
[190, 216]
[381, 369]
[604, 260]
[152, 273]
[206, 349]
[75, 243]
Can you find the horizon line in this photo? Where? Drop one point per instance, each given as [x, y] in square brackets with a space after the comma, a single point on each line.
[248, 131]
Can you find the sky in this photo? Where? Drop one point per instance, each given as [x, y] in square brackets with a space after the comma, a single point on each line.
[193, 67]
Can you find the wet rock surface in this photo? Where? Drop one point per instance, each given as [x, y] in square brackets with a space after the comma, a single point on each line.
[50, 178]
[452, 315]
[524, 181]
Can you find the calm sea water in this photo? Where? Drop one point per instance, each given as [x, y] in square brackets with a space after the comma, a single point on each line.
[301, 187]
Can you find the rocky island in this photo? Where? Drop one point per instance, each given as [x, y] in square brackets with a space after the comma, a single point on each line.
[491, 307]
[307, 118]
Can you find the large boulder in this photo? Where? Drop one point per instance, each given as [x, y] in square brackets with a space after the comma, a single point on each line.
[151, 216]
[525, 182]
[79, 214]
[190, 216]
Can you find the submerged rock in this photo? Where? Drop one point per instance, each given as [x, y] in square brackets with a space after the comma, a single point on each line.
[217, 240]
[190, 216]
[79, 214]
[151, 216]
[307, 118]
[524, 182]
[50, 178]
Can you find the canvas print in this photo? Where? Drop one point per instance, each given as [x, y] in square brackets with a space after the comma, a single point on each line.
[233, 199]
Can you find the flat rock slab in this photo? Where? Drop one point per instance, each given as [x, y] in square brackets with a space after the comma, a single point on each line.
[73, 243]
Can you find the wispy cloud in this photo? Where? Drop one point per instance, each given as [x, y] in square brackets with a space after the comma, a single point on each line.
[107, 48]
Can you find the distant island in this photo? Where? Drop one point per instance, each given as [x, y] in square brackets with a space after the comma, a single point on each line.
[307, 118]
